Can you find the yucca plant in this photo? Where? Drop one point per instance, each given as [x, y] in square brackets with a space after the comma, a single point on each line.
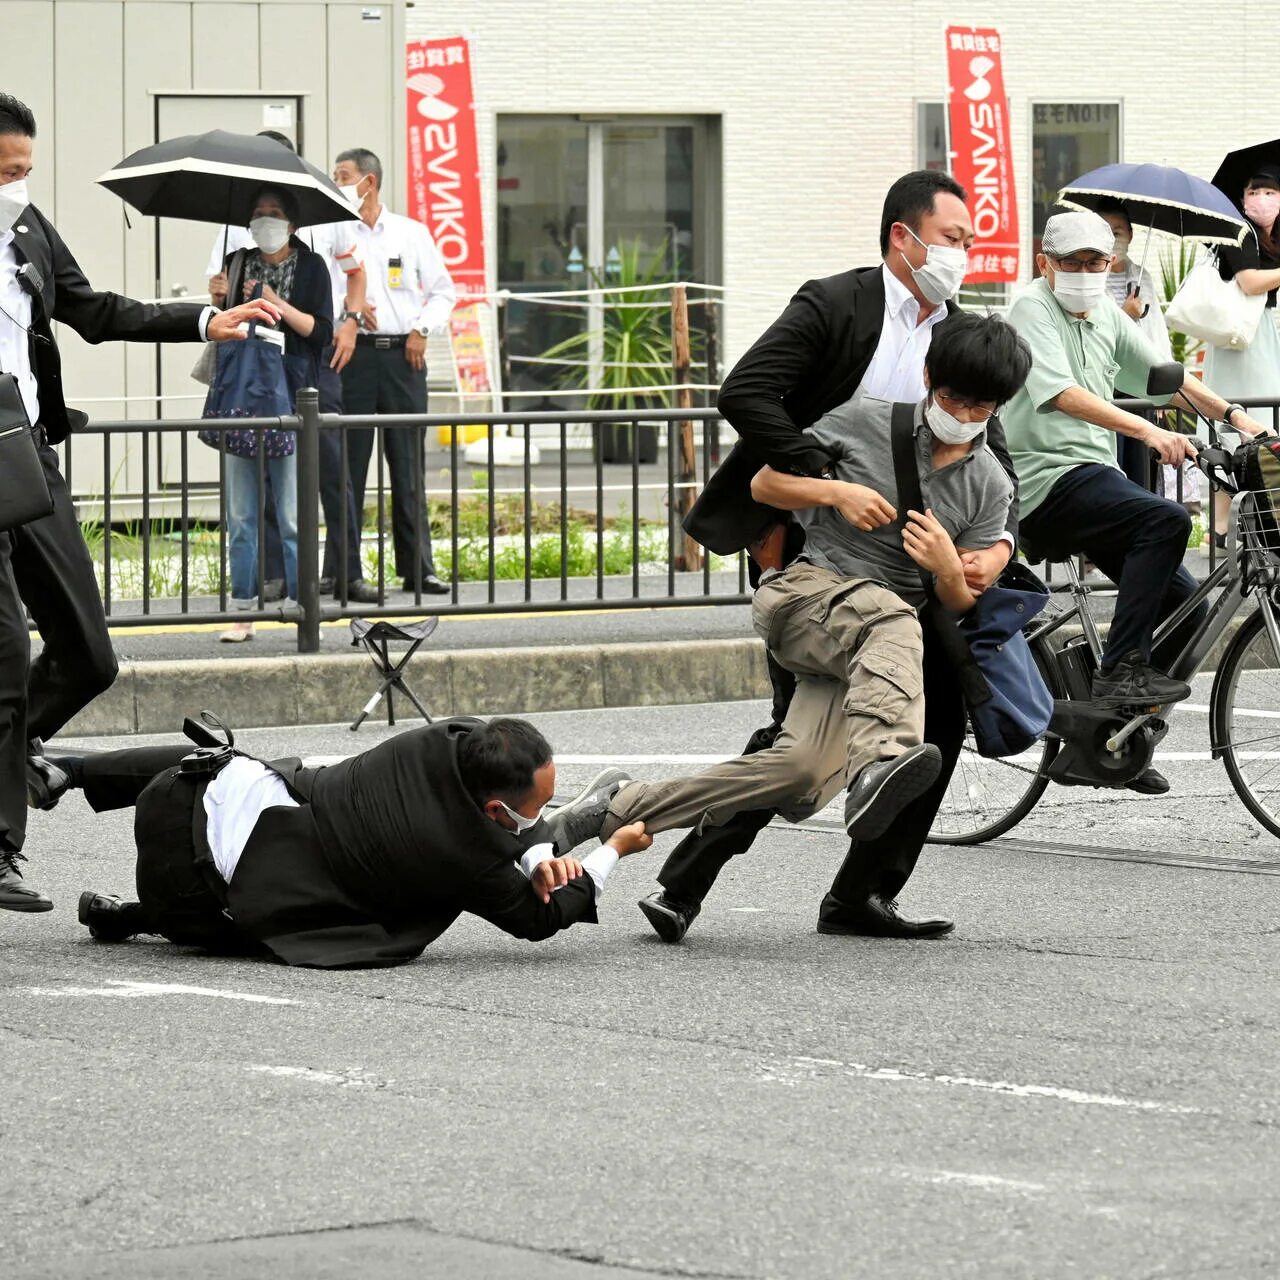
[634, 345]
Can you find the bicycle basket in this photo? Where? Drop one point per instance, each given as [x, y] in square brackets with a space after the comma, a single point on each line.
[1256, 468]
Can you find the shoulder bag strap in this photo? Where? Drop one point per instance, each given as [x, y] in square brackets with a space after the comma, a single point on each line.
[906, 476]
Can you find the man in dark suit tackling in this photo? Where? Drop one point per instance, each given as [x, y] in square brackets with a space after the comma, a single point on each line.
[357, 864]
[45, 564]
[865, 329]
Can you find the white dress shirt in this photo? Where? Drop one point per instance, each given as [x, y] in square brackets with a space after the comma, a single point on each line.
[233, 803]
[15, 345]
[421, 297]
[896, 371]
[597, 864]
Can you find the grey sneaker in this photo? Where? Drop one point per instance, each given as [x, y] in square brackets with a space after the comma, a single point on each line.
[584, 815]
[882, 790]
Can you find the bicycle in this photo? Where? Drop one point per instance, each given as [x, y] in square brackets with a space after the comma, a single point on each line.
[1087, 745]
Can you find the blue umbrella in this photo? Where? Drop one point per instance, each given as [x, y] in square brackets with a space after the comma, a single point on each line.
[1160, 198]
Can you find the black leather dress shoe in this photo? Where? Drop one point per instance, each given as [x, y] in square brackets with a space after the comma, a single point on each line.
[878, 918]
[431, 585]
[325, 586]
[1150, 783]
[46, 783]
[882, 790]
[109, 919]
[670, 919]
[15, 893]
[362, 592]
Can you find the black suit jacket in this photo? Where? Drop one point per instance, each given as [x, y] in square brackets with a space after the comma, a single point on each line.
[811, 359]
[66, 295]
[382, 855]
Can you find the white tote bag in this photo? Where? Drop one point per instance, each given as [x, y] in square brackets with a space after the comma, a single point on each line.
[1215, 310]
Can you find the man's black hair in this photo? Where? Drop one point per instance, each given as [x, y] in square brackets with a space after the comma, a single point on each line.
[16, 117]
[497, 760]
[365, 162]
[978, 357]
[911, 197]
[277, 137]
[1109, 204]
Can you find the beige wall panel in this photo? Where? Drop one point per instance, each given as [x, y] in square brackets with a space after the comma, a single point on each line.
[29, 26]
[292, 43]
[224, 46]
[157, 41]
[359, 49]
[88, 59]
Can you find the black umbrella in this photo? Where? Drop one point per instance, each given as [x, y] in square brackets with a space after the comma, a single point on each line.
[1235, 171]
[216, 177]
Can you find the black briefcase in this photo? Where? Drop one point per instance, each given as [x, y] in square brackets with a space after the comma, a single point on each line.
[24, 491]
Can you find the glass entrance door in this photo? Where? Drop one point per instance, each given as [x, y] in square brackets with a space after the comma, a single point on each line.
[589, 204]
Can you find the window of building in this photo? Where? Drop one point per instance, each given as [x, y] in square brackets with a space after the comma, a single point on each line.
[1067, 140]
[582, 202]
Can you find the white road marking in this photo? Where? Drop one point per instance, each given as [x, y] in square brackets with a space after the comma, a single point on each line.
[1080, 1098]
[132, 990]
[983, 1181]
[316, 1077]
[748, 910]
[1203, 709]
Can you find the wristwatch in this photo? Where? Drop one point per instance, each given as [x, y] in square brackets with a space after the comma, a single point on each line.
[1232, 408]
[357, 316]
[422, 330]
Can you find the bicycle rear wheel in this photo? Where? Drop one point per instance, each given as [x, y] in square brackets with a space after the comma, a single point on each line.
[1246, 719]
[985, 797]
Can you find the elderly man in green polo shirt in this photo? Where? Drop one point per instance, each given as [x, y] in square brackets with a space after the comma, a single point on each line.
[1061, 430]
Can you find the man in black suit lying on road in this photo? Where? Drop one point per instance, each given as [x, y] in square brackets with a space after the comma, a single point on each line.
[357, 864]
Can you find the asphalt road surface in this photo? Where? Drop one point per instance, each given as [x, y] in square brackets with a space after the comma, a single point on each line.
[1080, 1082]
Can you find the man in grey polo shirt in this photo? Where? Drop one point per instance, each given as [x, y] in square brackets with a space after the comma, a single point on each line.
[842, 618]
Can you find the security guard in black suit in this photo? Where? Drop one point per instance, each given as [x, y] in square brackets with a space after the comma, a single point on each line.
[811, 359]
[44, 565]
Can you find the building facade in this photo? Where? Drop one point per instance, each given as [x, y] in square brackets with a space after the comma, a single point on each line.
[744, 145]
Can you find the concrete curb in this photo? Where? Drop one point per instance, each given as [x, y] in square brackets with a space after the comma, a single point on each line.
[153, 697]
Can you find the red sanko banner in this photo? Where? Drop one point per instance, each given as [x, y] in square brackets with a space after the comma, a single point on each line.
[981, 155]
[444, 169]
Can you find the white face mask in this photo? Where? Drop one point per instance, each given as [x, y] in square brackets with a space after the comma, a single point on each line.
[352, 193]
[948, 428]
[1079, 291]
[269, 234]
[944, 270]
[13, 199]
[522, 823]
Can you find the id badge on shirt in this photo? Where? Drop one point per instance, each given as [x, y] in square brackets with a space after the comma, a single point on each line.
[395, 273]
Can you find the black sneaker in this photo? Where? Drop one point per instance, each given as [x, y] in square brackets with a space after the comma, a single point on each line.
[1135, 683]
[583, 816]
[882, 790]
[670, 919]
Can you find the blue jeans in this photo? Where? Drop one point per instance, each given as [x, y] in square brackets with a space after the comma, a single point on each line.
[242, 521]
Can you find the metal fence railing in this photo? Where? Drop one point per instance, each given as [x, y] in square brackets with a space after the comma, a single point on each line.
[575, 532]
[570, 533]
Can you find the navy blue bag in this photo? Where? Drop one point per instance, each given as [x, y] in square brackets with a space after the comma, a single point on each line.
[1008, 702]
[250, 382]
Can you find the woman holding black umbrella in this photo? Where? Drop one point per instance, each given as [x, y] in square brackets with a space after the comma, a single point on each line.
[1253, 372]
[296, 281]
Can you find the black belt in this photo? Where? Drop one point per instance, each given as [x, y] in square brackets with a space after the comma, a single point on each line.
[382, 341]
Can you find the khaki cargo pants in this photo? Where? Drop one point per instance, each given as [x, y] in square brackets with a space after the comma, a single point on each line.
[856, 649]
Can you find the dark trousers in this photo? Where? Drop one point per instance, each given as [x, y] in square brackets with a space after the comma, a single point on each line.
[382, 381]
[1137, 539]
[337, 500]
[177, 894]
[45, 566]
[883, 865]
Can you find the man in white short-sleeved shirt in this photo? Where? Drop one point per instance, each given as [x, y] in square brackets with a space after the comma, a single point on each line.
[410, 295]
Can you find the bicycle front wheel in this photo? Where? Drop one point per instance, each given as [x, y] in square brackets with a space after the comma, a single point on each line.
[986, 797]
[1246, 719]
